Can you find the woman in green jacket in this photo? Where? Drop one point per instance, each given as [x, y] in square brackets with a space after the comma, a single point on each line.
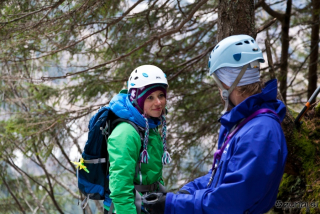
[136, 164]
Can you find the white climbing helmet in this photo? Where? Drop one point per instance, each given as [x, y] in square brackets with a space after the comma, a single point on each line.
[234, 51]
[146, 75]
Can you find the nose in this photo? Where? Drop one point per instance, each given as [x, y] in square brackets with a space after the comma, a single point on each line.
[157, 101]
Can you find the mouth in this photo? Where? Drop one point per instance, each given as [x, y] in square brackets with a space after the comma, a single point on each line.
[157, 109]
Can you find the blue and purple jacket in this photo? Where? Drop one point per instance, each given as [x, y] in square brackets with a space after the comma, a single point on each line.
[251, 166]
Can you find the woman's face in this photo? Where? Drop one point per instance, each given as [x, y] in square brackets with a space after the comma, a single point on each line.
[235, 97]
[155, 104]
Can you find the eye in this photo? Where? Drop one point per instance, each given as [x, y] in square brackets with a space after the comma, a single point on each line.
[150, 98]
[161, 95]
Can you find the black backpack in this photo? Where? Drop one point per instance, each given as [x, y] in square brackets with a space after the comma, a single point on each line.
[93, 180]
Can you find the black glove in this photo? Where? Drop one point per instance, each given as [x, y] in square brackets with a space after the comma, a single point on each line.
[154, 203]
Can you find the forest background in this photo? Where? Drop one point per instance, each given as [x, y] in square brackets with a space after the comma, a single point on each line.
[61, 60]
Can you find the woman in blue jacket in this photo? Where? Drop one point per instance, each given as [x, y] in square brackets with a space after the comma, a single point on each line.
[249, 164]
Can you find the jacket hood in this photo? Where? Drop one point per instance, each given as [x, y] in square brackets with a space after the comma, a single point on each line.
[266, 99]
[122, 107]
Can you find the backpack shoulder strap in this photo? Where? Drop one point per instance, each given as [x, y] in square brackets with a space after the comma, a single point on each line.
[139, 129]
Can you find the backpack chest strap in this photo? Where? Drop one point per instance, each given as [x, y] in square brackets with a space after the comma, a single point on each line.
[146, 188]
[151, 187]
[96, 161]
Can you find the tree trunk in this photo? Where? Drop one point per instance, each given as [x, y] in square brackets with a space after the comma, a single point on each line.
[235, 17]
[284, 52]
[314, 49]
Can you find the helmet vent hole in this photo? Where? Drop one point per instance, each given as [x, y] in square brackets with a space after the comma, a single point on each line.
[255, 49]
[136, 78]
[252, 40]
[135, 71]
[217, 47]
[247, 42]
[240, 43]
[130, 78]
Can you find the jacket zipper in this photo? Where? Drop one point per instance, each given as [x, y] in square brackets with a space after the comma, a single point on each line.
[220, 166]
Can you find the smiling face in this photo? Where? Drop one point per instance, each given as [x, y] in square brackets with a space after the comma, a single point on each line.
[154, 104]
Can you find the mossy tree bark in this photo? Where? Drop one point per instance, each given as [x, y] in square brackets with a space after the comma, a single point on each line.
[236, 17]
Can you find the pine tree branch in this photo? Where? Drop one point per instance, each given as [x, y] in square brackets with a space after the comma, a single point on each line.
[62, 165]
[41, 203]
[271, 12]
[181, 11]
[24, 16]
[86, 37]
[12, 194]
[51, 192]
[300, 67]
[53, 7]
[63, 151]
[74, 139]
[265, 26]
[193, 60]
[152, 39]
[27, 182]
[64, 186]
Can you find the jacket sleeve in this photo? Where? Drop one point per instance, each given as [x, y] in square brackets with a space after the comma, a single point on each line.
[123, 148]
[197, 184]
[254, 169]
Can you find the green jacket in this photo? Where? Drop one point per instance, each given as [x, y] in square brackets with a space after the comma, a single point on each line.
[124, 146]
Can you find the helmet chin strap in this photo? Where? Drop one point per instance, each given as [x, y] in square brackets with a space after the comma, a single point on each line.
[225, 92]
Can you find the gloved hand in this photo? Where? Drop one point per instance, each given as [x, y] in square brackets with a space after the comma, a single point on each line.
[154, 203]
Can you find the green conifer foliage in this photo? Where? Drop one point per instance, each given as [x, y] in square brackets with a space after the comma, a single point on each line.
[61, 60]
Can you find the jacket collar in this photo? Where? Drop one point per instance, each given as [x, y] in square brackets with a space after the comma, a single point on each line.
[122, 107]
[266, 99]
